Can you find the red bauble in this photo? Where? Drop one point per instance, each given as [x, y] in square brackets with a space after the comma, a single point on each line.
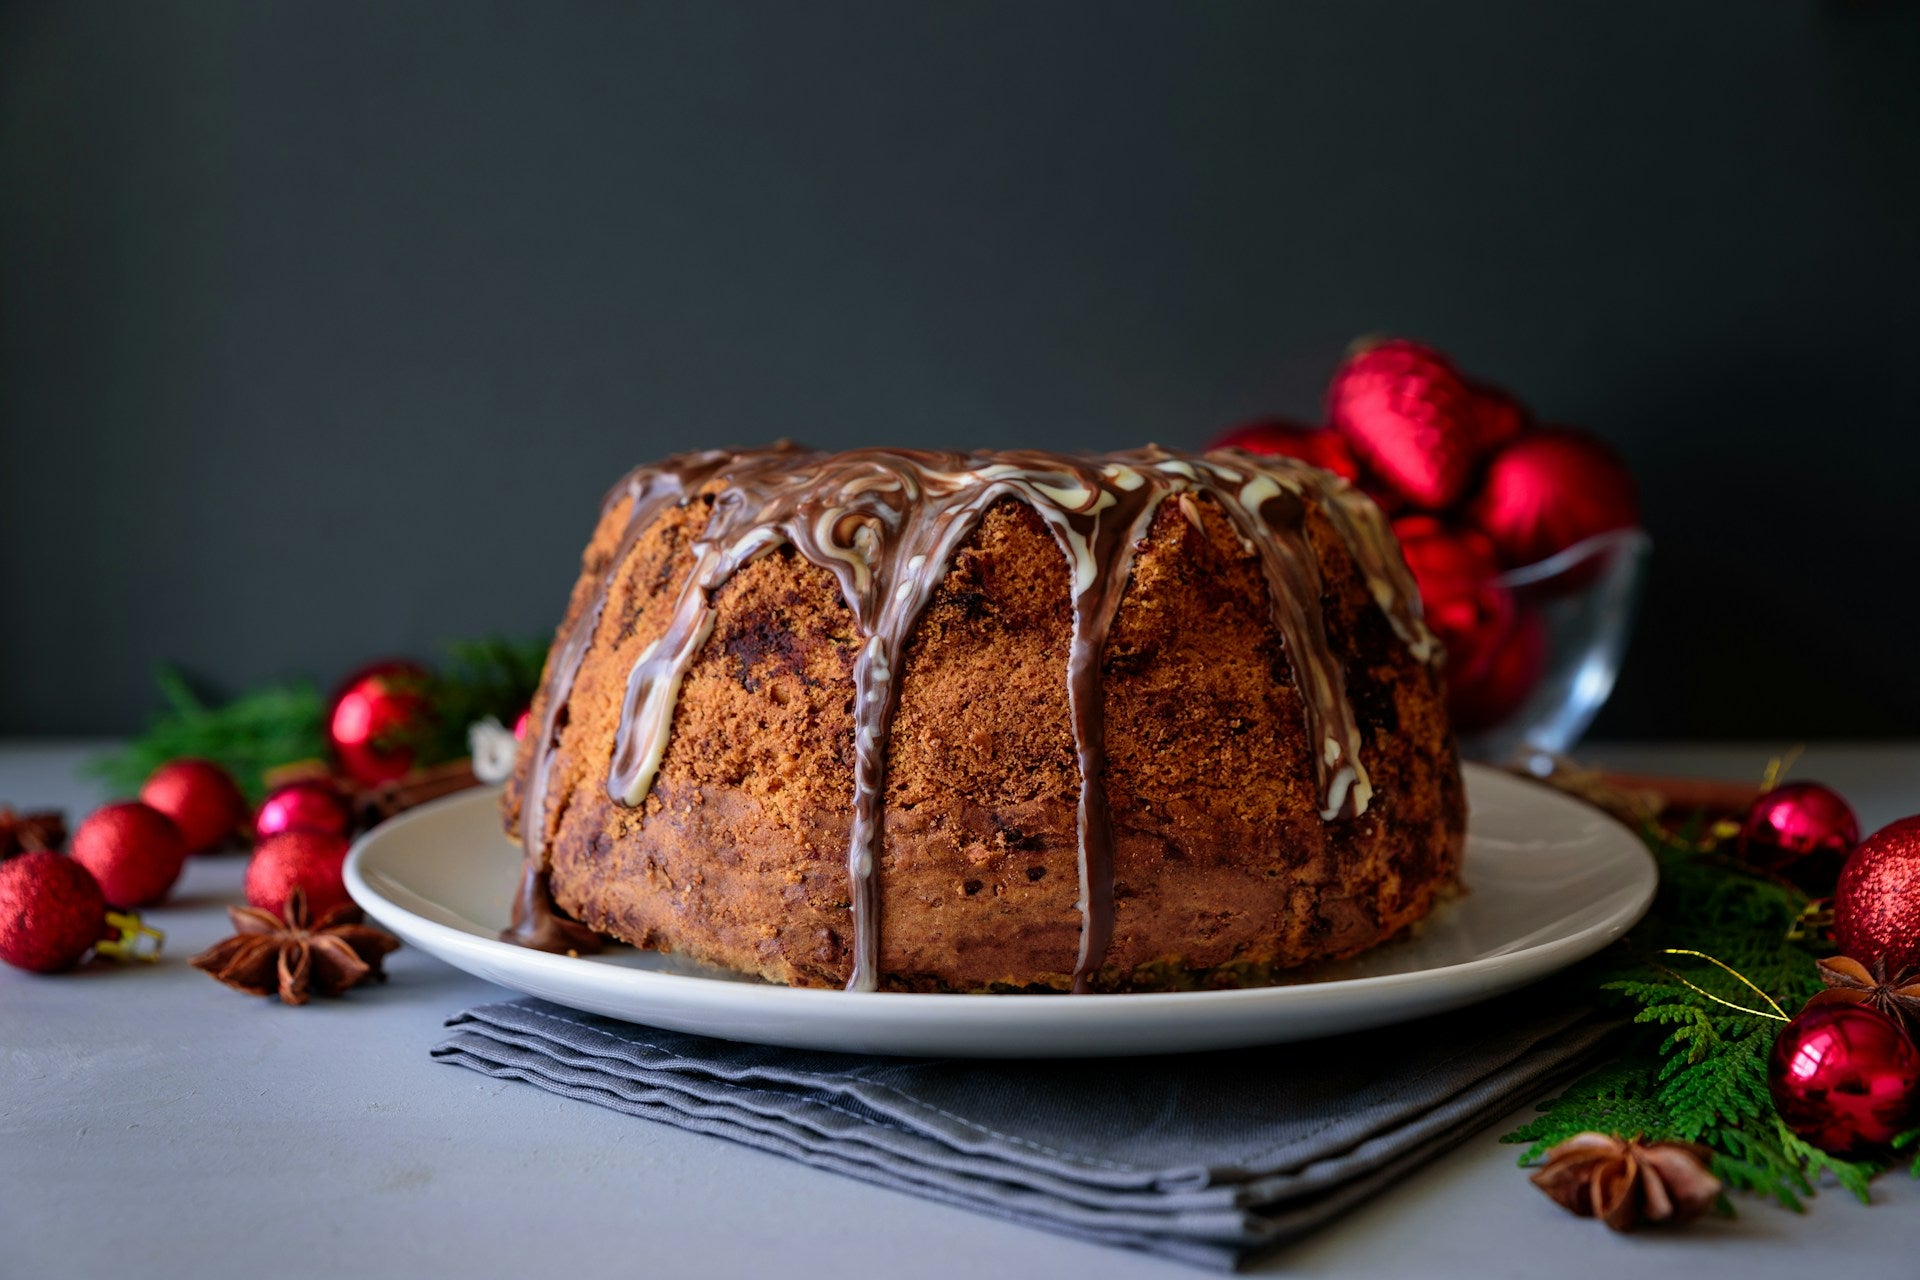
[1498, 416]
[1845, 1078]
[520, 725]
[202, 800]
[1800, 830]
[1496, 647]
[309, 860]
[378, 718]
[1876, 906]
[51, 912]
[1549, 489]
[133, 850]
[1410, 419]
[308, 805]
[1316, 446]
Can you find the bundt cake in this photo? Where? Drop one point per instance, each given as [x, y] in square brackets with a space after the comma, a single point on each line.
[987, 722]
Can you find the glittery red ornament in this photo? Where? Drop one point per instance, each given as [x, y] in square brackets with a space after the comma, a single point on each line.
[202, 800]
[1845, 1078]
[1548, 489]
[1316, 446]
[51, 912]
[1876, 906]
[378, 718]
[1410, 419]
[1498, 416]
[308, 860]
[1802, 831]
[308, 805]
[133, 850]
[1496, 647]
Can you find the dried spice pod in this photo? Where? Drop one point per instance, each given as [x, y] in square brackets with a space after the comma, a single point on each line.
[269, 954]
[1625, 1182]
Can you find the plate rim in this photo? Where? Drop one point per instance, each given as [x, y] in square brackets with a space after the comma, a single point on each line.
[1541, 958]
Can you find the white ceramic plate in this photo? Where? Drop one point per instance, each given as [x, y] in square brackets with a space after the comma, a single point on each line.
[1550, 881]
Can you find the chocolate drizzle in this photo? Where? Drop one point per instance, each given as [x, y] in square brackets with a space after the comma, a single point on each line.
[886, 524]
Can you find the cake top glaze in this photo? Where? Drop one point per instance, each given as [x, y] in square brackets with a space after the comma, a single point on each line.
[887, 522]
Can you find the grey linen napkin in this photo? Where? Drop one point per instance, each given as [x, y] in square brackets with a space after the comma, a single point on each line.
[1209, 1158]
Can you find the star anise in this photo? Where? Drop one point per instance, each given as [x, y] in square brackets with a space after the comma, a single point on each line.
[1626, 1182]
[269, 954]
[29, 832]
[1897, 997]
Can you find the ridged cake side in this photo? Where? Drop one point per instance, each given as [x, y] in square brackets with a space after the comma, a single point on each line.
[1224, 870]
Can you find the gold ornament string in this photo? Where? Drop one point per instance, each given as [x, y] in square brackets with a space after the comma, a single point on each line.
[1778, 1013]
[1778, 766]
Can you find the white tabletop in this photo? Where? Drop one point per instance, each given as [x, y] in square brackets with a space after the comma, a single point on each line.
[155, 1124]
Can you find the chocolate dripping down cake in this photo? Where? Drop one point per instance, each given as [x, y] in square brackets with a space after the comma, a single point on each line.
[914, 721]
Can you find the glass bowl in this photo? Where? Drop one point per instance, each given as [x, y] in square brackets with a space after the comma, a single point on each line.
[1585, 598]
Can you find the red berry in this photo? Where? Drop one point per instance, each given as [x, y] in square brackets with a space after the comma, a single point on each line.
[307, 860]
[133, 850]
[1315, 446]
[309, 805]
[202, 800]
[51, 912]
[1410, 418]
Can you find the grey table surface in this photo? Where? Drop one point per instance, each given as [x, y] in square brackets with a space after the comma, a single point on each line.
[155, 1124]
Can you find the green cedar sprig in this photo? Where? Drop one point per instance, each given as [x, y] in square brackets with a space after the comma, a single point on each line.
[1692, 1067]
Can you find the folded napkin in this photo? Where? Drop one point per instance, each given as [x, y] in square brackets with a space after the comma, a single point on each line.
[1209, 1158]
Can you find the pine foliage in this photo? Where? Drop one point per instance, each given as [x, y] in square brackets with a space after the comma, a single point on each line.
[255, 732]
[280, 724]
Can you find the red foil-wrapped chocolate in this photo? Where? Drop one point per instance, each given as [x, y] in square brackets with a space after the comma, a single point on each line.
[1410, 419]
[1317, 446]
[1549, 489]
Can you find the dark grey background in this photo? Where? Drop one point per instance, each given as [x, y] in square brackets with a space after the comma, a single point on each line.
[323, 326]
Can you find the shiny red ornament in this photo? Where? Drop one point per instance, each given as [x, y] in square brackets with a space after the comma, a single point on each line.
[202, 800]
[1410, 419]
[1316, 446]
[308, 860]
[308, 805]
[1547, 490]
[51, 912]
[1496, 647]
[520, 723]
[1845, 1078]
[1876, 906]
[378, 718]
[133, 850]
[1498, 416]
[1802, 831]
